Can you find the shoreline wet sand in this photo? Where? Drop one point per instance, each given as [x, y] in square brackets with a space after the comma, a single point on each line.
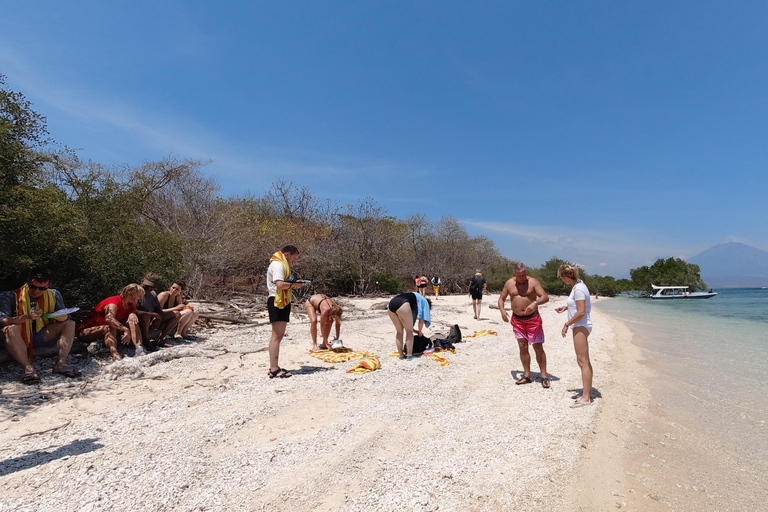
[646, 454]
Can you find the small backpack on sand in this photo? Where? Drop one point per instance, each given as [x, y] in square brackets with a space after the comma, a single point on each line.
[420, 343]
[454, 335]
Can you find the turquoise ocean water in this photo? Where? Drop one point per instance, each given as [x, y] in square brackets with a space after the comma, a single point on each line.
[712, 360]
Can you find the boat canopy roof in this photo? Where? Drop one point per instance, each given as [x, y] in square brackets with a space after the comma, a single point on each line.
[668, 287]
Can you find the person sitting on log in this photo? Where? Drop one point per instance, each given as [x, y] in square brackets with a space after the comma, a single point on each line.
[153, 316]
[172, 300]
[116, 313]
[26, 325]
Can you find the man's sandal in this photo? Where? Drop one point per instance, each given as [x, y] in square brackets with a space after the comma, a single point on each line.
[578, 403]
[523, 380]
[545, 383]
[280, 373]
[30, 378]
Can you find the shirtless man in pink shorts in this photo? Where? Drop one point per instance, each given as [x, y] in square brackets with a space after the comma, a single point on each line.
[526, 295]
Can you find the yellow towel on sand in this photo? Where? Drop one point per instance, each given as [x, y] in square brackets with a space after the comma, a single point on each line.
[282, 297]
[484, 332]
[341, 355]
[366, 365]
[441, 360]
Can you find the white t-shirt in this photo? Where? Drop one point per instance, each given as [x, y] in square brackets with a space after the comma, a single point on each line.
[275, 272]
[580, 292]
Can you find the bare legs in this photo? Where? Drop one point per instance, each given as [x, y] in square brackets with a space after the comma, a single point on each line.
[403, 321]
[581, 345]
[312, 314]
[17, 348]
[525, 357]
[109, 334]
[64, 334]
[187, 319]
[278, 331]
[477, 305]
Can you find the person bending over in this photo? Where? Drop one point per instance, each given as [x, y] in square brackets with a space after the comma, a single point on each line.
[404, 310]
[329, 312]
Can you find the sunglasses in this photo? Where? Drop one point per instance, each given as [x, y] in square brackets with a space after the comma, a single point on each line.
[33, 287]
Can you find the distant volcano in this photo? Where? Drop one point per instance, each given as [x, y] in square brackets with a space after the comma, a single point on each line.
[733, 265]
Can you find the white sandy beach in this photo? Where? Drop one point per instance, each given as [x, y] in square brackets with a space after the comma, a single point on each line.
[210, 431]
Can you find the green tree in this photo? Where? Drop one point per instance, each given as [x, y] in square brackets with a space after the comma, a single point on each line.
[668, 272]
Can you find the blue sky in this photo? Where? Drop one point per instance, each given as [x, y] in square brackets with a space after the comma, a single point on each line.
[605, 133]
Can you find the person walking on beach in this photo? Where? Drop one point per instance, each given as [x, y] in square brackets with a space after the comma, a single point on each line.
[436, 282]
[279, 286]
[24, 326]
[423, 285]
[330, 313]
[476, 288]
[404, 310]
[578, 307]
[526, 295]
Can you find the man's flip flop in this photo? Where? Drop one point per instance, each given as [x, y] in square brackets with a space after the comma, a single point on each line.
[523, 380]
[30, 378]
[577, 404]
[545, 383]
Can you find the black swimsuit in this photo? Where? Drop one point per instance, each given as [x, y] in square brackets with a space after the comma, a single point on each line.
[399, 300]
[318, 304]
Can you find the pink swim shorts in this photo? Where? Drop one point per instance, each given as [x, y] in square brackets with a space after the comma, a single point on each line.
[528, 328]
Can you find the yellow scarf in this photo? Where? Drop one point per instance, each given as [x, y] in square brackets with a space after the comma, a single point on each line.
[282, 297]
[46, 302]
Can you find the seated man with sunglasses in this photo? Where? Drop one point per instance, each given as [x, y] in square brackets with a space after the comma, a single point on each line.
[25, 328]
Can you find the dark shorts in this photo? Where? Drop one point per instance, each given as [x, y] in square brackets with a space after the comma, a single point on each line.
[276, 314]
[476, 295]
[38, 339]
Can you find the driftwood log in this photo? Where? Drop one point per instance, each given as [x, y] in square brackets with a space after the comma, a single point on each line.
[231, 318]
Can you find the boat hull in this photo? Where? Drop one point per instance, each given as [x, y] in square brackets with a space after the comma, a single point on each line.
[685, 297]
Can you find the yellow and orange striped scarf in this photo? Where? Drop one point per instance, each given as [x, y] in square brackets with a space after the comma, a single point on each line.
[46, 302]
[484, 332]
[282, 297]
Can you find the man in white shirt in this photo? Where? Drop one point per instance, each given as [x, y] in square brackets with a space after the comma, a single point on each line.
[279, 286]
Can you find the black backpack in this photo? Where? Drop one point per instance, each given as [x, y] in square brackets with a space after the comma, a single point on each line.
[420, 343]
[454, 335]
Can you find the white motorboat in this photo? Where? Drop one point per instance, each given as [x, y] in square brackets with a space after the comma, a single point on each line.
[679, 292]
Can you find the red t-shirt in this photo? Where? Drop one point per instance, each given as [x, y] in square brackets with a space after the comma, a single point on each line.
[97, 316]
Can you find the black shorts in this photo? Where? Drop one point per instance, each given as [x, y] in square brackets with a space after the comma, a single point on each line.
[401, 299]
[276, 314]
[476, 295]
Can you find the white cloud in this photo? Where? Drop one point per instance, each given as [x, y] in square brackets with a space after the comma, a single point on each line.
[612, 251]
